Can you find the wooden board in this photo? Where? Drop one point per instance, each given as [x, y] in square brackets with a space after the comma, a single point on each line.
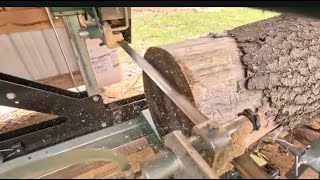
[63, 81]
[25, 19]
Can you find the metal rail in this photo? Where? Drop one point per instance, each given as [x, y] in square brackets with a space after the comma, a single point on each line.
[109, 138]
[83, 59]
[61, 48]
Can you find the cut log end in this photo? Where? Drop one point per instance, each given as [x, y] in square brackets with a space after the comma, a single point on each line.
[206, 70]
[166, 114]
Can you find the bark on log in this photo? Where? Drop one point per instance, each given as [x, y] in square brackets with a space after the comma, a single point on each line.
[271, 66]
[206, 70]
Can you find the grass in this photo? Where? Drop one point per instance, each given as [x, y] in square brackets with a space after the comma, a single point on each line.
[156, 28]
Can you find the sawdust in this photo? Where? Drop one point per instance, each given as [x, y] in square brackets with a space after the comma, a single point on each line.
[284, 160]
[18, 118]
[125, 89]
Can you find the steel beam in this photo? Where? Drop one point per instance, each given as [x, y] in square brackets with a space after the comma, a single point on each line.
[82, 54]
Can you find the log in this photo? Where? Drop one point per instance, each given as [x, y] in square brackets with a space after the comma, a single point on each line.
[270, 66]
[206, 70]
[306, 135]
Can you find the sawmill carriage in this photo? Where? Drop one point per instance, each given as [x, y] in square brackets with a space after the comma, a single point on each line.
[206, 101]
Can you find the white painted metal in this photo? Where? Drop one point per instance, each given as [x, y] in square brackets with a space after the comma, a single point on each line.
[35, 55]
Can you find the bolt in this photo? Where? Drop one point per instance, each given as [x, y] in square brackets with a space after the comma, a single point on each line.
[83, 33]
[303, 161]
[96, 98]
[56, 17]
[11, 95]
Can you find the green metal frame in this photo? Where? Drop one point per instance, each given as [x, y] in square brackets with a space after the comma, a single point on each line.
[67, 11]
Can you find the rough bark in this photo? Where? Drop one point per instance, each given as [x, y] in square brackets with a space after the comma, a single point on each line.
[281, 58]
[270, 66]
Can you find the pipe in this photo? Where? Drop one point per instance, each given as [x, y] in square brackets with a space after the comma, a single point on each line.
[43, 167]
[236, 124]
[162, 166]
[288, 146]
[126, 18]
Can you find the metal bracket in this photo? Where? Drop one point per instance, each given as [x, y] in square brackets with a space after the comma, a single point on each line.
[111, 38]
[309, 157]
[83, 114]
[210, 147]
[181, 161]
[253, 117]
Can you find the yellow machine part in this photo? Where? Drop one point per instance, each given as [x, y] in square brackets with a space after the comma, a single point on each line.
[259, 158]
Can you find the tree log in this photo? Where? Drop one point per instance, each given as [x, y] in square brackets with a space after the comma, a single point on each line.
[270, 66]
[306, 135]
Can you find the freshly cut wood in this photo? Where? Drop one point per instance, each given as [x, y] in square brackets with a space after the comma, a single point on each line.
[270, 66]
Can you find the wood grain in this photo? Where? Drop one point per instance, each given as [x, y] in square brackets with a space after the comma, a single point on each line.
[23, 20]
[206, 70]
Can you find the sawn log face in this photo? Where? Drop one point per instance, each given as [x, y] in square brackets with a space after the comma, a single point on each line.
[206, 70]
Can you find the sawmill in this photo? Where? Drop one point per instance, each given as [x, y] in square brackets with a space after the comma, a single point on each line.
[208, 103]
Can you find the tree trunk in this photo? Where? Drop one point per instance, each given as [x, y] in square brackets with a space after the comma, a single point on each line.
[306, 135]
[270, 66]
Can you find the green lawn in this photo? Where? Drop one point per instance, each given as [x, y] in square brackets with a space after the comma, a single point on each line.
[156, 28]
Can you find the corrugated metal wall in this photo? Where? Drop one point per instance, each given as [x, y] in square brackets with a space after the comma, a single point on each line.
[35, 55]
